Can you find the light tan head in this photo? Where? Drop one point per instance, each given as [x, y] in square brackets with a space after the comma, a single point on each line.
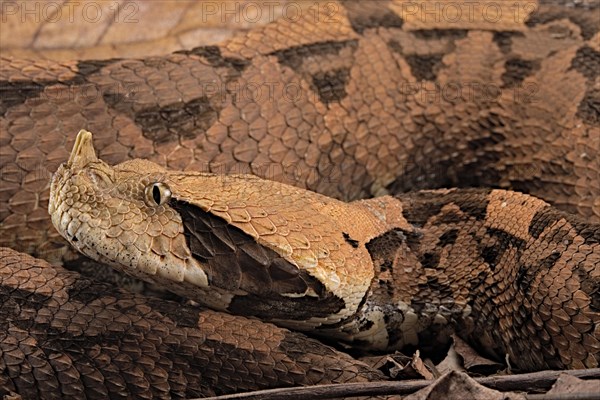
[237, 243]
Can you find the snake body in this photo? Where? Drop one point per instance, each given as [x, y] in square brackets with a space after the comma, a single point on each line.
[65, 336]
[379, 101]
[378, 274]
[366, 99]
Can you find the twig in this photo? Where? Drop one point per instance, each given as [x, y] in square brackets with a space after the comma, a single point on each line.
[536, 381]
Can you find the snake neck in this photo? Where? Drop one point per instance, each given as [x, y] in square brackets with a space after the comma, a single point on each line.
[410, 301]
[463, 266]
[417, 296]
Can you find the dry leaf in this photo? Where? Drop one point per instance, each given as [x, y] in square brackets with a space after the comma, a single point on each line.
[452, 362]
[459, 386]
[398, 366]
[472, 361]
[387, 361]
[414, 368]
[418, 365]
[568, 384]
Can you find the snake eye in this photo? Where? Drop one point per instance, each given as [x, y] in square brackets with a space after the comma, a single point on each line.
[156, 194]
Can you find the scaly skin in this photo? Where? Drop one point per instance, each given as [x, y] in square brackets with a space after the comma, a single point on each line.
[504, 269]
[360, 102]
[364, 125]
[65, 336]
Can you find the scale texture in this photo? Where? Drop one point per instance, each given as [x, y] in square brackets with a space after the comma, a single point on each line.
[65, 336]
[507, 271]
[362, 99]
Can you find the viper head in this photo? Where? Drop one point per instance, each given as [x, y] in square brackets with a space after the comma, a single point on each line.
[109, 214]
[236, 243]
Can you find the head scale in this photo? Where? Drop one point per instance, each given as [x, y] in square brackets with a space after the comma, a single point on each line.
[236, 243]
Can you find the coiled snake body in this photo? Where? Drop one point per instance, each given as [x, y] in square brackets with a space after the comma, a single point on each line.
[378, 273]
[510, 272]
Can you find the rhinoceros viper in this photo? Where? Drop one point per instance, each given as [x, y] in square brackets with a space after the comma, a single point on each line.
[384, 103]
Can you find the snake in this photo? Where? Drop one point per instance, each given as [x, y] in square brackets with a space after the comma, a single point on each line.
[73, 337]
[367, 100]
[377, 274]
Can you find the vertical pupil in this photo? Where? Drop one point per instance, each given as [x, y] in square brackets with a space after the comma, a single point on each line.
[156, 194]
